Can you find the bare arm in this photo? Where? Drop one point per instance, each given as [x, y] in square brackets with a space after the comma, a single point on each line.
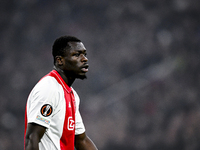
[83, 142]
[33, 135]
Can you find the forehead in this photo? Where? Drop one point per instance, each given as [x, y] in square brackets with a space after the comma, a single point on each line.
[77, 46]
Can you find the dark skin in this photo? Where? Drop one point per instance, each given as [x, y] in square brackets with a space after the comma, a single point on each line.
[71, 66]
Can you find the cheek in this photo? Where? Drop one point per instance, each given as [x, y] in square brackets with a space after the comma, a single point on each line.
[71, 64]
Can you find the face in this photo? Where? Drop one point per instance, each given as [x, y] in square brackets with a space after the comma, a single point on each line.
[75, 61]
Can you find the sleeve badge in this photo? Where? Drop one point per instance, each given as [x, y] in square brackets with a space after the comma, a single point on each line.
[46, 110]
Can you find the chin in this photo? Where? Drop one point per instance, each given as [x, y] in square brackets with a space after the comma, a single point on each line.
[82, 77]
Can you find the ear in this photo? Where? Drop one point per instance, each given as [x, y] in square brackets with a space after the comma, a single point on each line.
[59, 60]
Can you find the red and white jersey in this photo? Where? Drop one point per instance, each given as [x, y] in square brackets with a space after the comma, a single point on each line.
[55, 105]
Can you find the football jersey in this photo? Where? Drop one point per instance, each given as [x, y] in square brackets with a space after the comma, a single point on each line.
[55, 105]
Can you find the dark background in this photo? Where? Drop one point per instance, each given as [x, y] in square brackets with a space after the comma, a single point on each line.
[142, 91]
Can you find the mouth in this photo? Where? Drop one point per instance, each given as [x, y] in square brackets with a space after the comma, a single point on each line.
[85, 68]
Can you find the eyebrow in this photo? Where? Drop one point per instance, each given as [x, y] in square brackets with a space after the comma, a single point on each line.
[81, 51]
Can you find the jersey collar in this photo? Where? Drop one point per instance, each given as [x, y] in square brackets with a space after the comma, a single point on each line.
[60, 80]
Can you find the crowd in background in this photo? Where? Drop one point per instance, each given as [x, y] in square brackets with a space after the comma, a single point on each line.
[126, 41]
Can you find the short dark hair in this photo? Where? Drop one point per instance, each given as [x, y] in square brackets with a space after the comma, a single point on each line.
[61, 44]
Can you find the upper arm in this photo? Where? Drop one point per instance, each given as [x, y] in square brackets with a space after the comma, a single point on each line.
[80, 140]
[42, 102]
[33, 135]
[80, 137]
[83, 142]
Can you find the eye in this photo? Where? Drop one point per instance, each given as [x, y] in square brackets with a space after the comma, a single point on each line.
[77, 54]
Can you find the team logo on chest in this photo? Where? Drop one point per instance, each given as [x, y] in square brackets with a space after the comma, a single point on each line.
[46, 110]
[70, 124]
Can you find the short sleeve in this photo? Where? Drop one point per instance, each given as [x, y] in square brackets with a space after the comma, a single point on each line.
[79, 126]
[41, 102]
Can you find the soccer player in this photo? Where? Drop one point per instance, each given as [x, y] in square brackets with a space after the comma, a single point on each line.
[53, 120]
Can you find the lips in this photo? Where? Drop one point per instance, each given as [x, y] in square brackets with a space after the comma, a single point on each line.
[84, 68]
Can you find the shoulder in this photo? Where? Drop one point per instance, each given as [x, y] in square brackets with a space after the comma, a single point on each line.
[48, 83]
[46, 88]
[76, 96]
[47, 80]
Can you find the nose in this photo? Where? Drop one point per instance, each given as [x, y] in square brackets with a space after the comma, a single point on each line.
[84, 58]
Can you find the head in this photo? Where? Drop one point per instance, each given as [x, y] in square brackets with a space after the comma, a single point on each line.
[69, 56]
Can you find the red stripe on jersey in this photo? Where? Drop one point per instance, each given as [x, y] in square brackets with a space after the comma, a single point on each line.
[68, 135]
[67, 139]
[25, 127]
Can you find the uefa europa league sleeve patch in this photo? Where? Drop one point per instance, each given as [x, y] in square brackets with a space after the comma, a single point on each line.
[46, 110]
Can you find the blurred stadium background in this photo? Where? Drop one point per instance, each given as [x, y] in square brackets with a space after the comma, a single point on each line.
[142, 91]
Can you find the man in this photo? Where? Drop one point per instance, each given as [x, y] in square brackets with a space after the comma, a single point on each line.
[52, 120]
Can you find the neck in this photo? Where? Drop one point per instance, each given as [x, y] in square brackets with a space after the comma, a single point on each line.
[68, 80]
